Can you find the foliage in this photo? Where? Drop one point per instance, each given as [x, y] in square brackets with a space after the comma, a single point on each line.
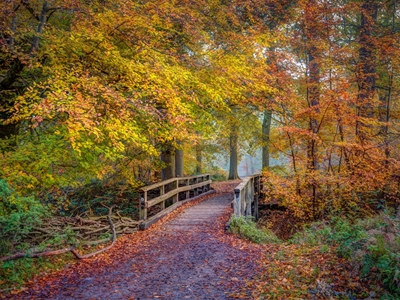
[246, 228]
[18, 216]
[16, 273]
[92, 92]
[372, 245]
[91, 199]
[218, 175]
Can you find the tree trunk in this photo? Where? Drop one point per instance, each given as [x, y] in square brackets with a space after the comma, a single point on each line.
[313, 96]
[13, 73]
[199, 159]
[266, 130]
[168, 157]
[7, 100]
[366, 67]
[233, 157]
[179, 170]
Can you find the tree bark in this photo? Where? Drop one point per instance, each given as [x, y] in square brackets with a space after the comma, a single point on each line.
[266, 130]
[233, 157]
[179, 167]
[199, 159]
[313, 96]
[8, 130]
[168, 157]
[366, 73]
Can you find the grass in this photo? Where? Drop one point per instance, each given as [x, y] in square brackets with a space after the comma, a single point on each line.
[16, 273]
[246, 228]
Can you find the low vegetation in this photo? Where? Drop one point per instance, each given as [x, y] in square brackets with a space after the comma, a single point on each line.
[372, 246]
[335, 259]
[246, 228]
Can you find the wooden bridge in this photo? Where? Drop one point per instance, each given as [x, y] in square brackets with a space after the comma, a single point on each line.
[160, 199]
[188, 257]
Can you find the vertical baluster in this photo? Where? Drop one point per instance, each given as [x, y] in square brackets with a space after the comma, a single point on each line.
[236, 203]
[145, 206]
[188, 191]
[176, 196]
[162, 192]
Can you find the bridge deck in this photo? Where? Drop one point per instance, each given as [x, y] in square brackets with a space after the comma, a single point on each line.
[202, 215]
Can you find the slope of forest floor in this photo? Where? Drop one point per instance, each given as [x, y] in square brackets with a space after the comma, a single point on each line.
[205, 263]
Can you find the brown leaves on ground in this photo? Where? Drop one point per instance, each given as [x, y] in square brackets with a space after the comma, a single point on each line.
[225, 186]
[302, 272]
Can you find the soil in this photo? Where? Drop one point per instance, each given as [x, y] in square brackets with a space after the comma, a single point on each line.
[188, 255]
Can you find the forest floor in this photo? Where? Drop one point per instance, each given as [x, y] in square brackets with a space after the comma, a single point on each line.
[189, 255]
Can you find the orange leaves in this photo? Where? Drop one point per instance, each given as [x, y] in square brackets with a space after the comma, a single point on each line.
[294, 271]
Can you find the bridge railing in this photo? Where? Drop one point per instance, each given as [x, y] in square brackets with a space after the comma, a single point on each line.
[247, 193]
[170, 194]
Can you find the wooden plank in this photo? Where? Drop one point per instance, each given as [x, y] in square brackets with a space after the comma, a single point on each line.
[165, 182]
[161, 198]
[146, 224]
[156, 185]
[244, 195]
[175, 192]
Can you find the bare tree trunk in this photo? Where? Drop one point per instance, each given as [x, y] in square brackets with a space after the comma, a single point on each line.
[179, 168]
[366, 67]
[266, 130]
[313, 95]
[313, 102]
[233, 157]
[168, 157]
[199, 159]
[6, 102]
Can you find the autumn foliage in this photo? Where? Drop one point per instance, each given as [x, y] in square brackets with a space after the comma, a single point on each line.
[116, 93]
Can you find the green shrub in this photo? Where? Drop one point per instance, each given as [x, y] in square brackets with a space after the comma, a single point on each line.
[376, 256]
[218, 175]
[18, 215]
[246, 228]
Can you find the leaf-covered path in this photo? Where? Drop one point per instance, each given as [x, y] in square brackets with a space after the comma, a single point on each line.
[186, 256]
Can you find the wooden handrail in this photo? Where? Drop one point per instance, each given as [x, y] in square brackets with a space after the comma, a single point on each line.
[198, 183]
[245, 202]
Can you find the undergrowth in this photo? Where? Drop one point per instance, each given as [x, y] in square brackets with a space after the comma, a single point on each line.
[371, 245]
[246, 228]
[16, 273]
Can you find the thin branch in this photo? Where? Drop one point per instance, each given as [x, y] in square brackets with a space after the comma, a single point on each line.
[114, 238]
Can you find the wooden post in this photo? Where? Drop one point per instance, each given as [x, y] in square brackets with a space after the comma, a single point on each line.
[236, 203]
[196, 192]
[140, 210]
[188, 191]
[249, 197]
[144, 206]
[176, 196]
[162, 192]
[256, 196]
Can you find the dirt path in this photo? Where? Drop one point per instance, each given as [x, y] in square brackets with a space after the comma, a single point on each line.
[187, 257]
